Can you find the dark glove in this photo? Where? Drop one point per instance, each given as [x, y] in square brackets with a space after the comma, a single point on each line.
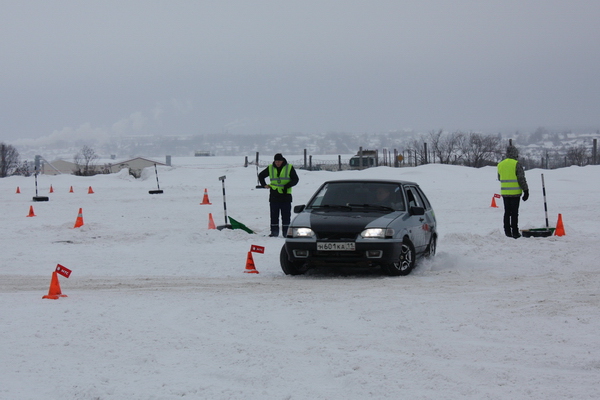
[525, 195]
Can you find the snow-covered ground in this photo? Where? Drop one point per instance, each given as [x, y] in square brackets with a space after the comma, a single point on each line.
[159, 306]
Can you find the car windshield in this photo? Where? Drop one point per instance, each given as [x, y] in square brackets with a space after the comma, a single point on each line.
[379, 196]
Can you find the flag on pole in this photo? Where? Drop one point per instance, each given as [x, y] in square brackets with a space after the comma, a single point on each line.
[64, 271]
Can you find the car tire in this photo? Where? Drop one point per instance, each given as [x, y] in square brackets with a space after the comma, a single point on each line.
[405, 262]
[432, 247]
[289, 267]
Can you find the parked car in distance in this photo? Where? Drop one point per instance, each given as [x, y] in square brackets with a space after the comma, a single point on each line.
[362, 223]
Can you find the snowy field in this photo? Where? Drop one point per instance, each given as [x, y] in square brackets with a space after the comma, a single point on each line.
[159, 306]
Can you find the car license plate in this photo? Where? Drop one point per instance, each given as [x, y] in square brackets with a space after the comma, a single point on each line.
[335, 246]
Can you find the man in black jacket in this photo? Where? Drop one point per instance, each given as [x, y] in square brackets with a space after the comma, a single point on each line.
[282, 177]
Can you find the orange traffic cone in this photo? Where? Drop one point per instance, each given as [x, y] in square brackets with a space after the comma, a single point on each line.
[560, 229]
[205, 198]
[71, 189]
[51, 189]
[31, 213]
[18, 190]
[250, 269]
[79, 220]
[90, 190]
[54, 292]
[494, 202]
[211, 222]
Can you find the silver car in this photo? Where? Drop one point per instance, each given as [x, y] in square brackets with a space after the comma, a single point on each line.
[362, 223]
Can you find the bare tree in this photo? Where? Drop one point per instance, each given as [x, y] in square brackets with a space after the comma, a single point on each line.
[578, 155]
[23, 169]
[445, 146]
[435, 139]
[9, 160]
[84, 160]
[480, 150]
[416, 151]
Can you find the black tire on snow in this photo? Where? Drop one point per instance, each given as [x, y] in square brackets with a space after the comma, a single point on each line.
[289, 267]
[432, 247]
[405, 263]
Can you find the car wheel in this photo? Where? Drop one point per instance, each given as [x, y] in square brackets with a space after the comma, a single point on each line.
[432, 247]
[405, 262]
[290, 267]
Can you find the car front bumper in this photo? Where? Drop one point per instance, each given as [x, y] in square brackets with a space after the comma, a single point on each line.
[367, 253]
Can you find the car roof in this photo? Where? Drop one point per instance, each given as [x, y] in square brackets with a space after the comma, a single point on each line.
[397, 181]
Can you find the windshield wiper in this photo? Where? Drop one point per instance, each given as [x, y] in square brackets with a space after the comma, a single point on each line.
[375, 206]
[337, 206]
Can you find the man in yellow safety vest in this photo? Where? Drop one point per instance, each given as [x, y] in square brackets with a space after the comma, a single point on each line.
[512, 184]
[282, 176]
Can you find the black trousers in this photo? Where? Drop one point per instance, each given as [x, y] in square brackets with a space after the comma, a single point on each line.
[285, 209]
[511, 215]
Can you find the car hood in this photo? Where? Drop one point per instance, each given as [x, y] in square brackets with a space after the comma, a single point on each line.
[333, 224]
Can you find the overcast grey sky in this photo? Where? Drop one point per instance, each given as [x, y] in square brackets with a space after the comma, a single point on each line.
[77, 68]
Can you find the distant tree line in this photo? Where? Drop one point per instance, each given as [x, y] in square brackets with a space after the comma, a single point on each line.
[580, 155]
[479, 150]
[10, 163]
[457, 148]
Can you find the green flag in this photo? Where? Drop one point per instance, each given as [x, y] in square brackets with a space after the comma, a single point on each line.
[238, 225]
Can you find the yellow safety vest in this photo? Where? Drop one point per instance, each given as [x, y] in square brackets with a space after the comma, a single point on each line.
[509, 185]
[279, 181]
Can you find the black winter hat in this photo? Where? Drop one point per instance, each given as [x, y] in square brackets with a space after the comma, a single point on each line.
[278, 157]
[512, 152]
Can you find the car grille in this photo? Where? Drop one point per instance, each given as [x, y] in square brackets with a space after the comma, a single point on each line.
[342, 236]
[332, 255]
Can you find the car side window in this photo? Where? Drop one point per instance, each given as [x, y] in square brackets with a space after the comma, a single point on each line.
[424, 199]
[414, 200]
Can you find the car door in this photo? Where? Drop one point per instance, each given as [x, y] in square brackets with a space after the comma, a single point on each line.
[430, 224]
[417, 223]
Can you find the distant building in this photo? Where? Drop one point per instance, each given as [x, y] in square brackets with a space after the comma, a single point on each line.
[58, 167]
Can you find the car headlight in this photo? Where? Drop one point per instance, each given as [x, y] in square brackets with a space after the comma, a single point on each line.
[377, 233]
[300, 232]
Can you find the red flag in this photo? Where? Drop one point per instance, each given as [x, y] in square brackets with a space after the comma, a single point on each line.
[257, 249]
[496, 195]
[64, 271]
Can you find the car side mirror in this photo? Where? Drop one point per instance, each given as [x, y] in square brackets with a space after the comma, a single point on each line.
[299, 209]
[417, 211]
